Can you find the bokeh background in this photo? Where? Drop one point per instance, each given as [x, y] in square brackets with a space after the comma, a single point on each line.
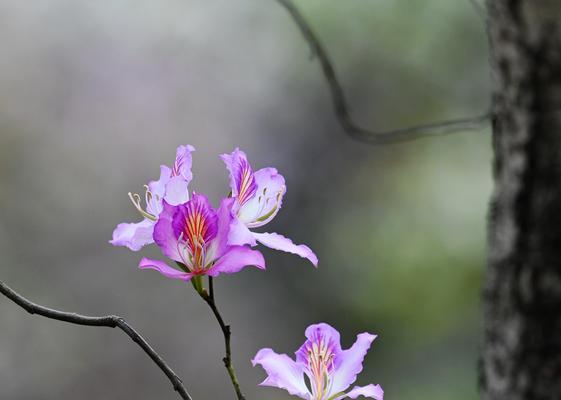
[94, 96]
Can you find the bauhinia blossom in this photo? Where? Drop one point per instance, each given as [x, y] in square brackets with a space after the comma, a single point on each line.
[172, 186]
[258, 198]
[329, 370]
[195, 236]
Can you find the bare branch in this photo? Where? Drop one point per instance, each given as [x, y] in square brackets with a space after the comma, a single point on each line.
[342, 109]
[110, 321]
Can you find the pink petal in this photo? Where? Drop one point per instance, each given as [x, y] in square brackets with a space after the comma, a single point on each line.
[371, 391]
[164, 235]
[183, 162]
[235, 259]
[133, 236]
[177, 191]
[164, 269]
[242, 179]
[225, 221]
[282, 372]
[267, 200]
[279, 242]
[240, 234]
[313, 333]
[349, 362]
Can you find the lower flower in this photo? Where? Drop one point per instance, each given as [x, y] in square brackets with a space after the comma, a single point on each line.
[322, 369]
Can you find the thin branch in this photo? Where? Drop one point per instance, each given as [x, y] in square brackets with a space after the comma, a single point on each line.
[110, 321]
[209, 299]
[342, 109]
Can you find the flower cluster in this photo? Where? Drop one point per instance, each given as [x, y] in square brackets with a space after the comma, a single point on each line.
[200, 239]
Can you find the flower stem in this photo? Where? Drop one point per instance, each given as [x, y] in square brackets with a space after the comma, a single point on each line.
[209, 299]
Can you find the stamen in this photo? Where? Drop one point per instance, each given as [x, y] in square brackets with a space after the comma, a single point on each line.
[135, 199]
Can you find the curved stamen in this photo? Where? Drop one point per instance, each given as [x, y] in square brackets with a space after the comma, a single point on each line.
[135, 199]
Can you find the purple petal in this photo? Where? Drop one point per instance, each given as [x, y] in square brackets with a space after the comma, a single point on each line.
[183, 162]
[279, 242]
[195, 222]
[242, 179]
[266, 202]
[133, 236]
[164, 269]
[177, 191]
[164, 235]
[158, 188]
[235, 259]
[372, 391]
[348, 363]
[316, 332]
[240, 234]
[282, 372]
[225, 221]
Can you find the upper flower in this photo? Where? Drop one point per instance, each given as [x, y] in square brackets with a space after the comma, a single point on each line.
[195, 236]
[257, 199]
[329, 369]
[172, 186]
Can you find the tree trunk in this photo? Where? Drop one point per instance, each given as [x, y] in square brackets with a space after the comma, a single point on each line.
[521, 351]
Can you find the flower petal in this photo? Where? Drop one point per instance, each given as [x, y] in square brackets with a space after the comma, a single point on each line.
[316, 332]
[235, 259]
[177, 191]
[242, 179]
[240, 234]
[164, 269]
[267, 200]
[348, 363]
[279, 242]
[195, 221]
[282, 372]
[371, 391]
[133, 236]
[183, 162]
[158, 188]
[164, 235]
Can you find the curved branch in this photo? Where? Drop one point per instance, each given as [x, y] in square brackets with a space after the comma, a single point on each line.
[342, 109]
[110, 321]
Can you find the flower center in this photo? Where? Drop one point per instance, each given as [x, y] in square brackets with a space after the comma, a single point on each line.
[196, 226]
[320, 366]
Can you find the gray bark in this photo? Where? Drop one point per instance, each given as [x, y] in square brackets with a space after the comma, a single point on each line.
[521, 350]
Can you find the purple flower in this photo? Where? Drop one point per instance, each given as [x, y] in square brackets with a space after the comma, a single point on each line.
[171, 187]
[329, 370]
[258, 198]
[195, 236]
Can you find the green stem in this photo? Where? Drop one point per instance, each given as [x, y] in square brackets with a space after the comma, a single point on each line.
[209, 299]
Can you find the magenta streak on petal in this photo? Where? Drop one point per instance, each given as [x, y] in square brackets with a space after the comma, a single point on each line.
[245, 180]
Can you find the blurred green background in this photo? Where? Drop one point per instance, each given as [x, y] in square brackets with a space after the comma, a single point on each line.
[94, 96]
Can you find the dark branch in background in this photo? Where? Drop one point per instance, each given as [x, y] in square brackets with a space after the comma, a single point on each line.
[110, 321]
[209, 299]
[342, 109]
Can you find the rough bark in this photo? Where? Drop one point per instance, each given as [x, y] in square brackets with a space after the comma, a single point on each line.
[521, 350]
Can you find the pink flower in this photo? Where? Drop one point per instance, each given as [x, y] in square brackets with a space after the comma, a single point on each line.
[195, 236]
[258, 198]
[171, 187]
[329, 369]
